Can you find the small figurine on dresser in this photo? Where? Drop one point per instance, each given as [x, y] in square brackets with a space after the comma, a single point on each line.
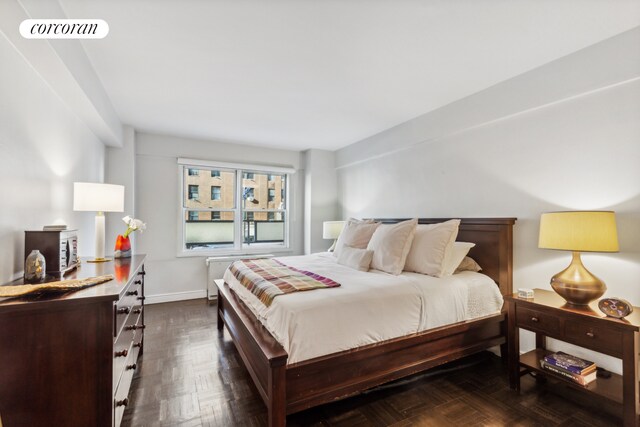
[35, 267]
[123, 244]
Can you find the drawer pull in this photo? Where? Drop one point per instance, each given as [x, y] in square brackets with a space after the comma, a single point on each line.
[137, 311]
[137, 282]
[132, 367]
[591, 334]
[124, 310]
[138, 344]
[123, 402]
[140, 298]
[122, 353]
[132, 293]
[141, 273]
[535, 319]
[134, 327]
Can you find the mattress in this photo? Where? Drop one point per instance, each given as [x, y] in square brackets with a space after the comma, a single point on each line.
[367, 308]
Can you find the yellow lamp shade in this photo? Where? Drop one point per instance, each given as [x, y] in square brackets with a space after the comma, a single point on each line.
[581, 231]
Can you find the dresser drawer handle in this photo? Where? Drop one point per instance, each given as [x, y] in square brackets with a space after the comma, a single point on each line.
[132, 367]
[122, 353]
[124, 310]
[141, 273]
[137, 311]
[591, 334]
[134, 327]
[138, 344]
[123, 402]
[137, 282]
[141, 298]
[132, 293]
[535, 319]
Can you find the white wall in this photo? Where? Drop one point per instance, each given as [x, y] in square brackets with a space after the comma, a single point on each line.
[120, 165]
[321, 197]
[170, 277]
[565, 136]
[44, 148]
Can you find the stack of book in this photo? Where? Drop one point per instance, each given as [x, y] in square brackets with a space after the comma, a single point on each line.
[570, 367]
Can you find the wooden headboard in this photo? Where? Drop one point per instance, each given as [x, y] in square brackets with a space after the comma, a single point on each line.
[494, 245]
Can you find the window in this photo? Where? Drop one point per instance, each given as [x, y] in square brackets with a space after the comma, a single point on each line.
[193, 192]
[215, 192]
[247, 211]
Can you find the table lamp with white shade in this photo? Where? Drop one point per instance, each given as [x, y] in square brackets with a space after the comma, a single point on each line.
[99, 198]
[332, 230]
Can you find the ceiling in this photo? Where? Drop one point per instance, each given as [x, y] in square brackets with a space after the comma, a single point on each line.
[302, 74]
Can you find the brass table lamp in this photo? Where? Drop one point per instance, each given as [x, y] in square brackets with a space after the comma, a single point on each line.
[578, 231]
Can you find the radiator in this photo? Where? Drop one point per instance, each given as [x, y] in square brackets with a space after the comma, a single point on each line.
[217, 265]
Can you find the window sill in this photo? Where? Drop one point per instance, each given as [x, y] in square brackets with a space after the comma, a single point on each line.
[234, 254]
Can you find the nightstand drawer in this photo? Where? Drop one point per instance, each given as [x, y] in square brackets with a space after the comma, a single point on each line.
[538, 321]
[590, 335]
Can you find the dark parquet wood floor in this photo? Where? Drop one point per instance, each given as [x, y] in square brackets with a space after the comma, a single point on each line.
[191, 376]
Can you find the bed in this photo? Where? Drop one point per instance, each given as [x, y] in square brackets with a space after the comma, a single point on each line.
[307, 380]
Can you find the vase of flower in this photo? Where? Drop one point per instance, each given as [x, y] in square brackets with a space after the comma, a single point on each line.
[123, 243]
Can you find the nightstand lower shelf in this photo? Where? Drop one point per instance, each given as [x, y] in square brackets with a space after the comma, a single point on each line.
[609, 388]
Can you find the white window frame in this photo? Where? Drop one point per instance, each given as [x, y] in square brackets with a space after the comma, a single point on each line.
[239, 169]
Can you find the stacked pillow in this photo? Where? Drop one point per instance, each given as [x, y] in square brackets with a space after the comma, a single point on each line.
[431, 246]
[422, 248]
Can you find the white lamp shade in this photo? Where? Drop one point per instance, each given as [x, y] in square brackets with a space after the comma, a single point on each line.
[332, 229]
[96, 197]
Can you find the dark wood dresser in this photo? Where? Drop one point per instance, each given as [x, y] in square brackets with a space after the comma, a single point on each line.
[68, 360]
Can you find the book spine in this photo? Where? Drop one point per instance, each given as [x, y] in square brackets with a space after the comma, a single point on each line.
[570, 368]
[569, 375]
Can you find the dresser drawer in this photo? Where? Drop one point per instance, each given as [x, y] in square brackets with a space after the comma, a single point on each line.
[538, 321]
[593, 336]
[126, 304]
[120, 399]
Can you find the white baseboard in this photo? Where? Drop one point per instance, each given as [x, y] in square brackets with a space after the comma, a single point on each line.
[175, 296]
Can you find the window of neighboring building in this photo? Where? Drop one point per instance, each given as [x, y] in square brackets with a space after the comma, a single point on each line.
[228, 222]
[193, 192]
[216, 191]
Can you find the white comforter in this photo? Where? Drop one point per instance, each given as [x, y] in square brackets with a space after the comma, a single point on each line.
[369, 306]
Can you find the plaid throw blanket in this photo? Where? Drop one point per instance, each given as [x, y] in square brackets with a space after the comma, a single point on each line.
[268, 278]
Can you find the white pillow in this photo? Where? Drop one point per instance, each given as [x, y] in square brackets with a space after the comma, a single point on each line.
[356, 234]
[360, 259]
[390, 245]
[455, 256]
[468, 264]
[431, 244]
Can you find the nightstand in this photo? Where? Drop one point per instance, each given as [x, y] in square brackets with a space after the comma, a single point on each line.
[548, 315]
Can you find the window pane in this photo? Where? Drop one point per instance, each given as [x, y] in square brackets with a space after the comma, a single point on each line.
[263, 228]
[202, 233]
[208, 190]
[263, 191]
